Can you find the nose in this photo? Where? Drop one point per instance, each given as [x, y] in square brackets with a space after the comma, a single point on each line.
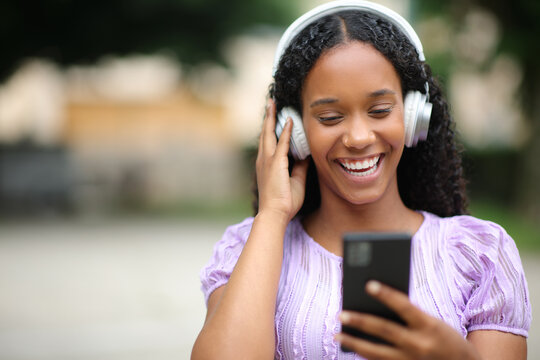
[358, 133]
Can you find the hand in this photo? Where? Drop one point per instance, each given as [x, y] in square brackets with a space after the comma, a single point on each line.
[277, 190]
[424, 337]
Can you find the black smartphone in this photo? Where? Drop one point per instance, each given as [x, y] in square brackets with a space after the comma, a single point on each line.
[380, 256]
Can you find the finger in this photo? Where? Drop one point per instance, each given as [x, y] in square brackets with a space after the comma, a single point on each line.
[285, 139]
[396, 301]
[367, 349]
[268, 126]
[268, 135]
[377, 326]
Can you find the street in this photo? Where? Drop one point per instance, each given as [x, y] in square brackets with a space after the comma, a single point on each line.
[89, 289]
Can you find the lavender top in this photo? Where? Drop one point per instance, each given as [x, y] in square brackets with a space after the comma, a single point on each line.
[465, 271]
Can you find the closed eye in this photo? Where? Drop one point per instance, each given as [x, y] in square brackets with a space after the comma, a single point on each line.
[329, 120]
[380, 113]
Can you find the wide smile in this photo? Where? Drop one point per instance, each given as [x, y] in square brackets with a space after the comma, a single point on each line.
[361, 167]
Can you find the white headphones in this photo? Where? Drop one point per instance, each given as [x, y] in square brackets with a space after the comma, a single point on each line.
[417, 108]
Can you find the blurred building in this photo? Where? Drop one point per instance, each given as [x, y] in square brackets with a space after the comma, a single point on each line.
[131, 132]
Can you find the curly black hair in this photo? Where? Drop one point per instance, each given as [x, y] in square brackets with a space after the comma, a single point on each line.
[430, 175]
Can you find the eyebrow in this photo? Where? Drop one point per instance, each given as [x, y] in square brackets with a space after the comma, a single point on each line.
[381, 92]
[374, 94]
[323, 101]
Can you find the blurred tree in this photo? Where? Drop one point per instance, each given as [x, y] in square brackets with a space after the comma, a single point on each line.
[520, 30]
[69, 31]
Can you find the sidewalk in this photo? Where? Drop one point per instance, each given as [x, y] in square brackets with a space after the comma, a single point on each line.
[122, 289]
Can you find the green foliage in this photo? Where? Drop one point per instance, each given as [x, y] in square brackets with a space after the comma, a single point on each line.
[519, 29]
[82, 31]
[493, 174]
[525, 233]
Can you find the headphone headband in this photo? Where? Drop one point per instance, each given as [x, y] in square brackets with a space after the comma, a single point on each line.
[340, 5]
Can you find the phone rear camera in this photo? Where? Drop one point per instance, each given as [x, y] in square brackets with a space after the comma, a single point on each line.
[359, 254]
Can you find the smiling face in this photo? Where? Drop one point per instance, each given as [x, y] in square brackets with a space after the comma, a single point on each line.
[352, 110]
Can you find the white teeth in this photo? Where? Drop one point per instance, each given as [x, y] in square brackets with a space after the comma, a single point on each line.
[359, 165]
[363, 173]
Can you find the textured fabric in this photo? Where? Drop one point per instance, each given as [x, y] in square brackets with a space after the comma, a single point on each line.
[465, 271]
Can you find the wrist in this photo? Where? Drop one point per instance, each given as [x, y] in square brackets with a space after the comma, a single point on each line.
[276, 217]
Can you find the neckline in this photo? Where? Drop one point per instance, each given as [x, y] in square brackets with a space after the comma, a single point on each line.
[333, 256]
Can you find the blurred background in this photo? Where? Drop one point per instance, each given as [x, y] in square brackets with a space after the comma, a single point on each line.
[127, 134]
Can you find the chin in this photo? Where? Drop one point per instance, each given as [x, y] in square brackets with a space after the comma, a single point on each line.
[364, 199]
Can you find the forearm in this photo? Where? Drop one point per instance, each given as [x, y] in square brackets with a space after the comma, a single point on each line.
[241, 324]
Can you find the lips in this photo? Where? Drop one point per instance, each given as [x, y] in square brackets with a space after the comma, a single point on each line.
[362, 167]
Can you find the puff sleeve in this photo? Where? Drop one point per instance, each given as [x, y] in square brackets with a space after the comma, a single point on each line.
[226, 252]
[498, 298]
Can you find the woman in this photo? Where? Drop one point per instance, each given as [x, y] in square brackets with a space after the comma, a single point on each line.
[273, 285]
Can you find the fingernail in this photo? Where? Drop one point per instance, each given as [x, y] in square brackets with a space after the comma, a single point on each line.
[345, 317]
[373, 287]
[338, 338]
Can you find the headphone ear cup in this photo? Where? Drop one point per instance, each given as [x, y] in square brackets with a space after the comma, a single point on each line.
[409, 116]
[417, 113]
[299, 147]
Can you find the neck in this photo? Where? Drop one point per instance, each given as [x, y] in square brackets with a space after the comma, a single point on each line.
[337, 216]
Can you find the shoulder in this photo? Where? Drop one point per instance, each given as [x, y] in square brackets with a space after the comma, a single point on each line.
[473, 245]
[224, 256]
[233, 240]
[484, 263]
[466, 230]
[238, 232]
[231, 244]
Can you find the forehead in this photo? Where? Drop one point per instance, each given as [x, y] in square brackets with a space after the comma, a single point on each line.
[353, 66]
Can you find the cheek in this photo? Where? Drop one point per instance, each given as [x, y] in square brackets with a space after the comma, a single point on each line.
[312, 136]
[398, 134]
[395, 131]
[320, 139]
[395, 137]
